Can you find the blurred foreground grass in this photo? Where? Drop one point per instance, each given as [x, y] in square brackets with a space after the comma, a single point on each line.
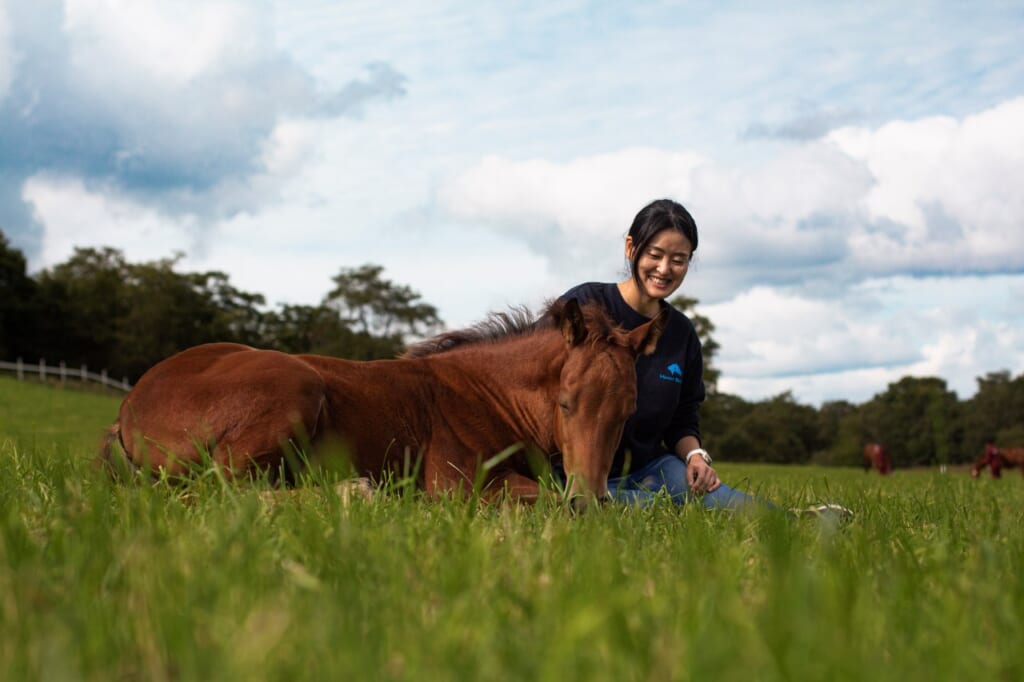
[151, 582]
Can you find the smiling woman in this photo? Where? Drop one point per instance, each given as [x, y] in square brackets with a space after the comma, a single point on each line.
[660, 446]
[660, 449]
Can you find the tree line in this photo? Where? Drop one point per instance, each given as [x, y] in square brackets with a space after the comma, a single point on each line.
[98, 309]
[919, 419]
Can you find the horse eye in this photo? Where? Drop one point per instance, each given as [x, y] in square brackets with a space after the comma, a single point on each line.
[564, 404]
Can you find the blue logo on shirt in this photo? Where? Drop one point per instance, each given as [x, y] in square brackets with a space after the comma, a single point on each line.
[675, 373]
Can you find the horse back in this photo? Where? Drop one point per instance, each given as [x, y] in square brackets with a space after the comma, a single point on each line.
[231, 402]
[1013, 456]
[383, 413]
[439, 414]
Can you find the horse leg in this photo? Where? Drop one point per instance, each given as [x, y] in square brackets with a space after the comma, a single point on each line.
[445, 477]
[243, 432]
[111, 458]
[276, 439]
[512, 486]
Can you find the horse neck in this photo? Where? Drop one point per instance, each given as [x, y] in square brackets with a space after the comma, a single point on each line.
[518, 378]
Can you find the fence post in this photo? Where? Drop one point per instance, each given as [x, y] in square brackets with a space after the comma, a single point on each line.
[63, 373]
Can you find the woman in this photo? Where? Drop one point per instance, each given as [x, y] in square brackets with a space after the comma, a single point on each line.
[661, 447]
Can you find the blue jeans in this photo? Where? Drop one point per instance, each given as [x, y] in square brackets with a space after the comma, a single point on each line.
[667, 475]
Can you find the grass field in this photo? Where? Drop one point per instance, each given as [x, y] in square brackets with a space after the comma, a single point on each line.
[150, 582]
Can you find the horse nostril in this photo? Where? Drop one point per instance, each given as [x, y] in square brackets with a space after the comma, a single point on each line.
[580, 503]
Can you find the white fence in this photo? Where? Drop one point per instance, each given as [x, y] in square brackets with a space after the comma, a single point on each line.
[42, 370]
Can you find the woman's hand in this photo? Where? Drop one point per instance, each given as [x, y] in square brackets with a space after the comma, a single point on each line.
[701, 477]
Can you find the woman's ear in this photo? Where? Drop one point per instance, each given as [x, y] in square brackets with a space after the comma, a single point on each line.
[629, 248]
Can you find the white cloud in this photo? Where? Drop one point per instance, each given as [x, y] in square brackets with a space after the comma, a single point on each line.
[854, 385]
[773, 333]
[288, 147]
[158, 42]
[795, 209]
[574, 215]
[949, 190]
[587, 197]
[852, 347]
[180, 83]
[289, 251]
[957, 356]
[75, 215]
[934, 195]
[97, 214]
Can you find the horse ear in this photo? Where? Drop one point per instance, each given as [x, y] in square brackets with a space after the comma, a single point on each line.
[573, 327]
[644, 339]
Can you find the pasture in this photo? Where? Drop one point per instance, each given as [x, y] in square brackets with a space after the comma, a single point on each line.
[101, 581]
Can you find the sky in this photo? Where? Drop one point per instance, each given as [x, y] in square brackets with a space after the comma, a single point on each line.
[854, 168]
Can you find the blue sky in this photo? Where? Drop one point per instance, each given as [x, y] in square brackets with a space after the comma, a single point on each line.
[854, 170]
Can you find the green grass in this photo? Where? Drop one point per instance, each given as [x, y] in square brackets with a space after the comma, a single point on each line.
[151, 582]
[36, 416]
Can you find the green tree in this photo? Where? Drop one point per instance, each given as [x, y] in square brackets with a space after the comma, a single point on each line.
[234, 315]
[839, 434]
[18, 301]
[381, 315]
[994, 413]
[916, 419]
[709, 347]
[167, 311]
[718, 413]
[81, 304]
[777, 430]
[830, 416]
[162, 315]
[106, 313]
[306, 329]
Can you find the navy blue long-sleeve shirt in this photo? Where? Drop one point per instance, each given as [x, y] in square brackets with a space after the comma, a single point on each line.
[670, 381]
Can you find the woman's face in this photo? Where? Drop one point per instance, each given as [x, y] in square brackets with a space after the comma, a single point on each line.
[663, 263]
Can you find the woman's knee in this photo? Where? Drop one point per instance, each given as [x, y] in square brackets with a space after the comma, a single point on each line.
[668, 472]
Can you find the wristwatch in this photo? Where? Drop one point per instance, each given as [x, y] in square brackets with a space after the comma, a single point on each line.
[698, 451]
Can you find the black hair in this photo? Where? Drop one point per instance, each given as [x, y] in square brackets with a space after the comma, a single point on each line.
[661, 214]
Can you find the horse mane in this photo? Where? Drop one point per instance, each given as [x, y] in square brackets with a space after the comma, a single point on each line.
[518, 321]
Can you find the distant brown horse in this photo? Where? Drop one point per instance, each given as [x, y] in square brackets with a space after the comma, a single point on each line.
[564, 385]
[877, 457]
[996, 459]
